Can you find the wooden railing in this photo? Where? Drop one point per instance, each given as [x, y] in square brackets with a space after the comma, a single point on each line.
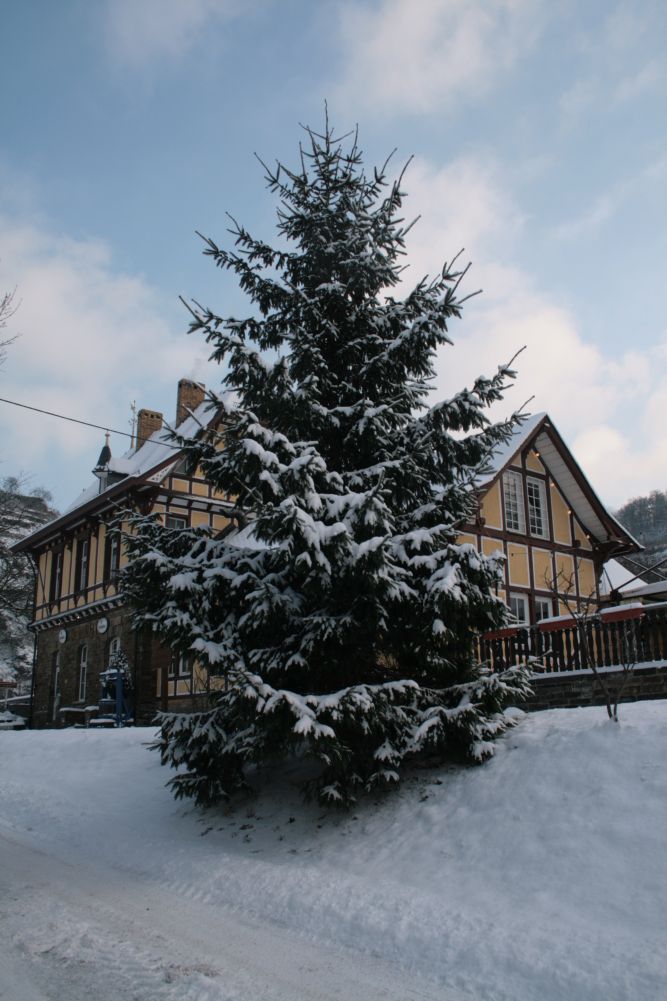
[605, 639]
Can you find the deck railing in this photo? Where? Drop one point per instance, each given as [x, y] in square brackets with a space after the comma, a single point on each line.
[626, 634]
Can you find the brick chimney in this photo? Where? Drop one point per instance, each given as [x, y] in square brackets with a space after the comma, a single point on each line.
[190, 395]
[148, 421]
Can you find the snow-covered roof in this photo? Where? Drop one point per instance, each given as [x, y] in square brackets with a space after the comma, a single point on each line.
[149, 462]
[156, 451]
[563, 468]
[615, 577]
[506, 452]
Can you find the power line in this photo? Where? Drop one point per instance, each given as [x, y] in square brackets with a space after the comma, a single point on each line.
[88, 424]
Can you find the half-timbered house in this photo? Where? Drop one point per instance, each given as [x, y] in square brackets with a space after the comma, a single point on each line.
[538, 509]
[535, 506]
[81, 621]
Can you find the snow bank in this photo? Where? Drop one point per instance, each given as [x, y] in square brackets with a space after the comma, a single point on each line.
[539, 875]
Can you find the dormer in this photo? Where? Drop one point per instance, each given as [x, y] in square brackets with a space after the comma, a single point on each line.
[109, 470]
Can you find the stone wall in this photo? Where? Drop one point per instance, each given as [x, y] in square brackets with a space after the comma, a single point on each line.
[143, 653]
[581, 688]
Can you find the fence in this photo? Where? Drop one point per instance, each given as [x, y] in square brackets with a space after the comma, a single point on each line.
[625, 634]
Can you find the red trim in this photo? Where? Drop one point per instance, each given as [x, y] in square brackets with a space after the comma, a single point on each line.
[622, 614]
[553, 627]
[502, 634]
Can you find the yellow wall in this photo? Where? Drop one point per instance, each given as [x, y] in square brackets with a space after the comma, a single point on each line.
[561, 517]
[564, 571]
[587, 582]
[491, 507]
[517, 559]
[580, 533]
[492, 546]
[533, 463]
[542, 570]
[466, 539]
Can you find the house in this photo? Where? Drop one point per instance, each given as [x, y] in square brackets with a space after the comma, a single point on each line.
[534, 505]
[81, 624]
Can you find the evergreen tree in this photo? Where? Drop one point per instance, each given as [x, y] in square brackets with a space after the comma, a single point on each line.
[343, 616]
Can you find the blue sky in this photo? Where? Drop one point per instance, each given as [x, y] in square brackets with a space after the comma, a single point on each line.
[539, 139]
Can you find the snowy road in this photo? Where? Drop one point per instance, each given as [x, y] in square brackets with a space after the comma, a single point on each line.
[77, 931]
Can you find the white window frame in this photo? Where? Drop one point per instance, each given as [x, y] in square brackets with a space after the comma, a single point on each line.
[114, 555]
[547, 610]
[114, 647]
[514, 512]
[180, 519]
[523, 600]
[537, 512]
[83, 671]
[83, 563]
[179, 666]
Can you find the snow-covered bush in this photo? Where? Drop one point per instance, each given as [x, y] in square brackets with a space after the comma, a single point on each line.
[343, 616]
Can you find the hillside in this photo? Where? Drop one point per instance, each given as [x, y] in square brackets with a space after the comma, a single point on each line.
[538, 876]
[646, 519]
[20, 514]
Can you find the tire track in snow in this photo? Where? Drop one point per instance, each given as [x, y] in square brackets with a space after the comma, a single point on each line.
[78, 930]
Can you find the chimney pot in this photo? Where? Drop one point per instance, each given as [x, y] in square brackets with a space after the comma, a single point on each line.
[190, 395]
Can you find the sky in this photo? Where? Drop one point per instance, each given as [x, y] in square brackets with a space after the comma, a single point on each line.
[539, 144]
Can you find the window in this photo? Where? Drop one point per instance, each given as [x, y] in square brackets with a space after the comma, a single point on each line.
[515, 520]
[83, 671]
[56, 575]
[537, 508]
[55, 685]
[179, 665]
[111, 555]
[114, 646]
[83, 555]
[518, 605]
[542, 609]
[175, 521]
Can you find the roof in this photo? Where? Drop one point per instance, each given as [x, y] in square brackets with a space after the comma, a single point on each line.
[539, 432]
[150, 463]
[503, 455]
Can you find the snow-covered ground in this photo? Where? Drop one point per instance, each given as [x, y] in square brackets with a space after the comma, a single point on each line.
[541, 876]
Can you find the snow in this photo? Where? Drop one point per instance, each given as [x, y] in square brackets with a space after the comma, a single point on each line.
[506, 452]
[141, 461]
[539, 875]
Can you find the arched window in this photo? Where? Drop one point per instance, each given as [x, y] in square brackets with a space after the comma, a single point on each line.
[114, 647]
[83, 671]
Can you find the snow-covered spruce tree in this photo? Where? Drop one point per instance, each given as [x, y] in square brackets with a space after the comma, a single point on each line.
[343, 616]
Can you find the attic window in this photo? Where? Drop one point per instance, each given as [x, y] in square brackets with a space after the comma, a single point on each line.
[537, 507]
[515, 518]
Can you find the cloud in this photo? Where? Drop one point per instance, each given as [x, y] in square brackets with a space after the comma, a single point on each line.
[618, 66]
[608, 409]
[91, 340]
[140, 32]
[422, 57]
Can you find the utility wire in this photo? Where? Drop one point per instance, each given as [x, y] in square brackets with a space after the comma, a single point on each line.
[88, 424]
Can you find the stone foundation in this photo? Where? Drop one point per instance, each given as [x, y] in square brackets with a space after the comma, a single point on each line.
[581, 688]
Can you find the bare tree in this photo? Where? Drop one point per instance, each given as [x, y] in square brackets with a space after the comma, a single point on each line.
[587, 621]
[20, 513]
[8, 307]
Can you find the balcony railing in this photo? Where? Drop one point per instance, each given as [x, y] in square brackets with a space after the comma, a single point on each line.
[625, 634]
